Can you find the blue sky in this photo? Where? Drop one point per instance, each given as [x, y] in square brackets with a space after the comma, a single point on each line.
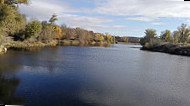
[117, 17]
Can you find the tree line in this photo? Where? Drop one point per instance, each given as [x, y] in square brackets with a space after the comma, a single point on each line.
[14, 27]
[179, 36]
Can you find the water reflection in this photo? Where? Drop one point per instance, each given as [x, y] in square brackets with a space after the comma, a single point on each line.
[9, 85]
[91, 76]
[7, 91]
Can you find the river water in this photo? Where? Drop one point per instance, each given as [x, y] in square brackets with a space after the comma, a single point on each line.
[94, 76]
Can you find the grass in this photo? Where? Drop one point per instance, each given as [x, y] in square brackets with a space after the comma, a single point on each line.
[28, 45]
[25, 44]
[68, 42]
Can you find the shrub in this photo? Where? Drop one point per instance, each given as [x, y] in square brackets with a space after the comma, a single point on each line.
[33, 28]
[47, 34]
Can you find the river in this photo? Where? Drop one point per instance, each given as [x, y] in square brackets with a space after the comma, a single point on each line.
[94, 76]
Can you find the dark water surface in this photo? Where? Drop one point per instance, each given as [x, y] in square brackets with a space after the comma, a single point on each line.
[90, 76]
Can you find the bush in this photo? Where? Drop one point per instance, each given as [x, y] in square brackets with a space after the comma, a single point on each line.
[153, 43]
[33, 28]
[150, 34]
[47, 34]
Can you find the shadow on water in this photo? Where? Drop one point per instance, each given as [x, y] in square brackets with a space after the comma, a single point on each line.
[9, 85]
[16, 90]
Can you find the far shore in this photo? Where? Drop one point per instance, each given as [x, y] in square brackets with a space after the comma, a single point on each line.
[128, 43]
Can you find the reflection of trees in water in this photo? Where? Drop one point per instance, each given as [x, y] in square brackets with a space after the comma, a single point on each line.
[8, 86]
[7, 91]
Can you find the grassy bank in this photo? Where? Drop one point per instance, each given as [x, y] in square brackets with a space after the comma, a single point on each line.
[28, 45]
[77, 43]
[19, 45]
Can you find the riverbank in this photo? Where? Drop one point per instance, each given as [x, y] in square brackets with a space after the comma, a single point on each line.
[177, 49]
[17, 45]
[25, 44]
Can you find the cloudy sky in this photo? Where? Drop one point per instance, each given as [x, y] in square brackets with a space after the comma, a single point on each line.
[118, 17]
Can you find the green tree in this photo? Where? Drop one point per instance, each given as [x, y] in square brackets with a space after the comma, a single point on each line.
[184, 33]
[149, 34]
[11, 21]
[53, 19]
[33, 28]
[13, 2]
[166, 36]
[176, 36]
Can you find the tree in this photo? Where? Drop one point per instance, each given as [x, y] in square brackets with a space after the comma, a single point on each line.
[53, 19]
[176, 36]
[125, 39]
[101, 38]
[11, 21]
[58, 32]
[47, 33]
[14, 2]
[166, 36]
[44, 24]
[97, 37]
[70, 33]
[83, 36]
[78, 28]
[184, 33]
[150, 34]
[33, 28]
[108, 38]
[114, 39]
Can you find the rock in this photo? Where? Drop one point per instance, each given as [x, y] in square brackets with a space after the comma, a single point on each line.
[3, 49]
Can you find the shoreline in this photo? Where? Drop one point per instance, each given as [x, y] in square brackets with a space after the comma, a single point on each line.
[18, 45]
[175, 49]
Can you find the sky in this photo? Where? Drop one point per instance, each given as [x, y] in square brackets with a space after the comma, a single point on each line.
[116, 17]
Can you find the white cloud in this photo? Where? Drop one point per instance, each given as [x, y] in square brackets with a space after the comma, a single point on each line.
[146, 8]
[43, 9]
[141, 10]
[146, 19]
[90, 23]
[157, 23]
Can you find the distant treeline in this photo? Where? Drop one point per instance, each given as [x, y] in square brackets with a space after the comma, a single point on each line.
[127, 39]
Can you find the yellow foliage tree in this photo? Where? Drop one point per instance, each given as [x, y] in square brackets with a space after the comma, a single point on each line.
[77, 27]
[58, 30]
[101, 38]
[2, 2]
[108, 38]
[97, 35]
